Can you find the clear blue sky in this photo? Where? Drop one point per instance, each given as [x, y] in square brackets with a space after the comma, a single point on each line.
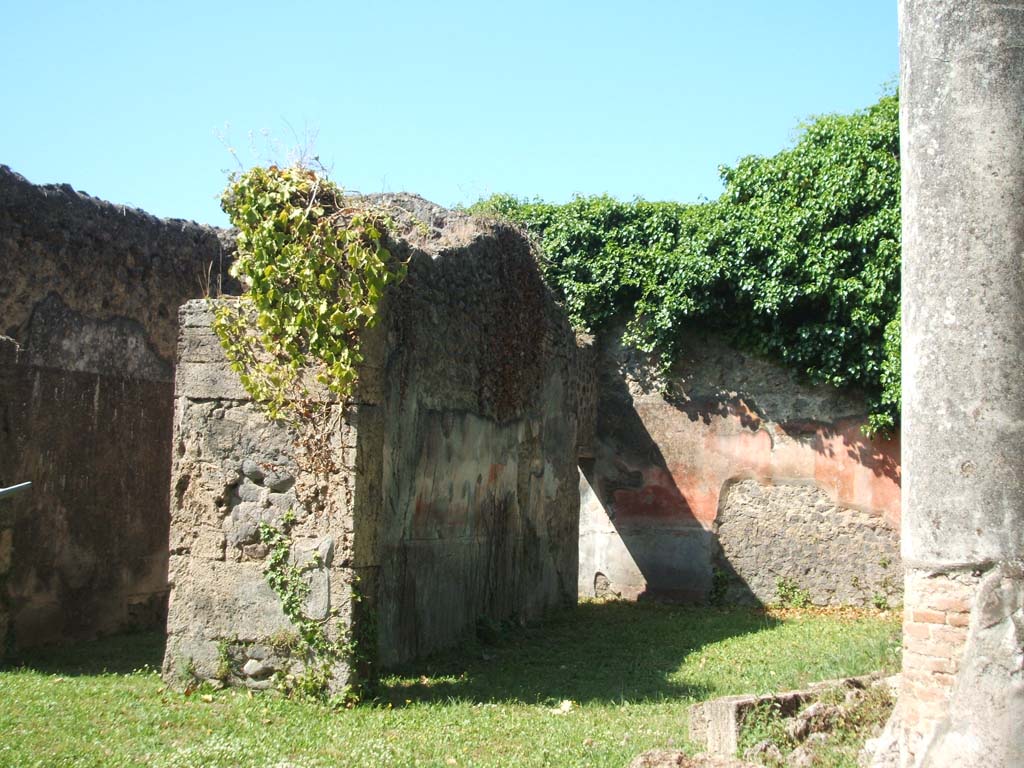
[451, 99]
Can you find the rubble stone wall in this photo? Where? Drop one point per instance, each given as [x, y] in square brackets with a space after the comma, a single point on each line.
[90, 294]
[732, 474]
[794, 534]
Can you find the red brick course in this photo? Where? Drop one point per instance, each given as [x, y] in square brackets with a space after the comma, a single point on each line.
[935, 624]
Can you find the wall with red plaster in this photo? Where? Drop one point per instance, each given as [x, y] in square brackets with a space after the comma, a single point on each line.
[666, 452]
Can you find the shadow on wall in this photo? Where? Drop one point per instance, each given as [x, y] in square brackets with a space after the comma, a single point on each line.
[699, 493]
[637, 528]
[845, 439]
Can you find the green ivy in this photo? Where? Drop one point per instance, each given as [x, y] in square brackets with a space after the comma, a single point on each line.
[320, 653]
[799, 259]
[316, 269]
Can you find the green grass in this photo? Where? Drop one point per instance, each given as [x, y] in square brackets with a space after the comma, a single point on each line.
[630, 670]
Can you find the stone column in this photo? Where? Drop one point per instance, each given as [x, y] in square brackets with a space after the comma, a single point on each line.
[962, 133]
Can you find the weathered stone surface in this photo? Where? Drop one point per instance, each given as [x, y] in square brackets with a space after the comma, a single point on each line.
[471, 509]
[234, 470]
[763, 751]
[715, 724]
[883, 751]
[990, 682]
[666, 453]
[86, 545]
[456, 492]
[796, 533]
[93, 286]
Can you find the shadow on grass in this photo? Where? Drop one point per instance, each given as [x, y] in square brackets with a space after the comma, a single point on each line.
[596, 652]
[610, 653]
[119, 654]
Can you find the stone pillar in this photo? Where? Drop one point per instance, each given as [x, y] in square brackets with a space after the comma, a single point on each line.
[233, 471]
[962, 133]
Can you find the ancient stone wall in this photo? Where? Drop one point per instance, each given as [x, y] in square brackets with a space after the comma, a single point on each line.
[90, 293]
[733, 475]
[794, 536]
[457, 482]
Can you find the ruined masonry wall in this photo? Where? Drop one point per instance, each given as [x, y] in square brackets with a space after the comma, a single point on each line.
[456, 495]
[480, 422]
[796, 534]
[734, 467]
[86, 547]
[90, 293]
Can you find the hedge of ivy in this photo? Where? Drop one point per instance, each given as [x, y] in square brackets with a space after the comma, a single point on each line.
[799, 259]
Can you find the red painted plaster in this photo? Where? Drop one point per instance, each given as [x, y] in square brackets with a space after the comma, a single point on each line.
[702, 454]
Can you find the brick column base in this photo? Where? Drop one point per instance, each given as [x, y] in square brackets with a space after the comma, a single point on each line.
[962, 697]
[935, 620]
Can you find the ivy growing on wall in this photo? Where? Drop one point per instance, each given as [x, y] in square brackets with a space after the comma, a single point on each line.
[799, 259]
[316, 268]
[320, 653]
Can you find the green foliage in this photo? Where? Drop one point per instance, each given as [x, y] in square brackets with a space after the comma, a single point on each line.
[848, 724]
[790, 594]
[316, 269]
[799, 259]
[224, 661]
[762, 722]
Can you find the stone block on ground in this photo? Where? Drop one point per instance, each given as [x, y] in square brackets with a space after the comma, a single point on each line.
[715, 725]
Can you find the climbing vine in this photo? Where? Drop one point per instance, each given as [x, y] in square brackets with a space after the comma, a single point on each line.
[316, 269]
[799, 259]
[320, 653]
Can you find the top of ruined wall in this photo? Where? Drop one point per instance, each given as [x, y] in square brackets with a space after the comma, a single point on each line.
[93, 286]
[483, 326]
[472, 322]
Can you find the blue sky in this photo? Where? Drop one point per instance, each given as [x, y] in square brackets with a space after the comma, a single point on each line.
[138, 102]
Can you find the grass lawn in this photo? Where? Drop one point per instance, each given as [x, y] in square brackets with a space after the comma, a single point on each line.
[630, 671]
